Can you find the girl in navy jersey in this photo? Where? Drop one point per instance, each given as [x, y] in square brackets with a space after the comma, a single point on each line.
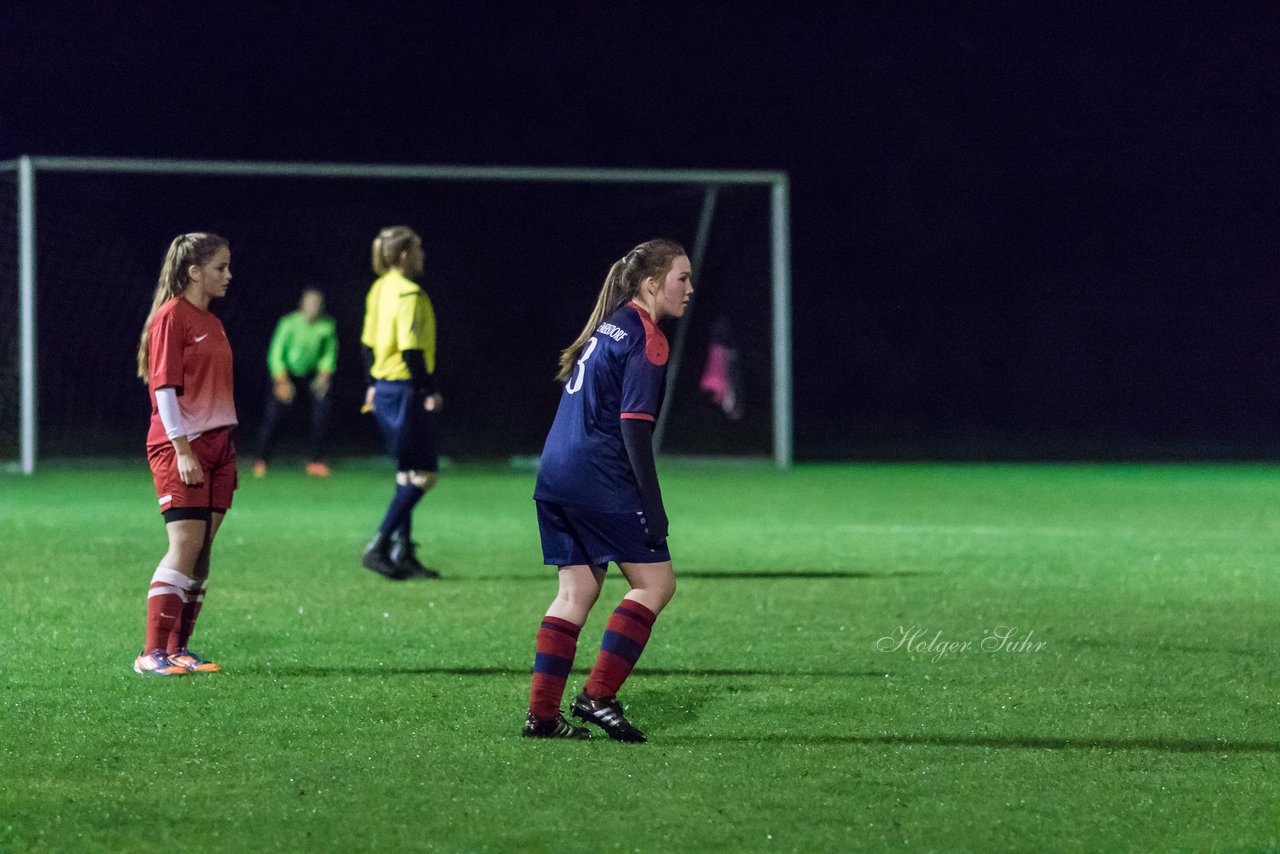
[185, 359]
[597, 491]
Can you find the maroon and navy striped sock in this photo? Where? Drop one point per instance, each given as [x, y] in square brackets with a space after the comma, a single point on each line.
[557, 643]
[624, 638]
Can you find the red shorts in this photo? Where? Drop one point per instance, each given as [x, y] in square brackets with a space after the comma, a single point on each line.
[217, 455]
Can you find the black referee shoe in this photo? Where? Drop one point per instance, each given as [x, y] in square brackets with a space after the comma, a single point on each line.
[606, 714]
[556, 727]
[405, 557]
[377, 558]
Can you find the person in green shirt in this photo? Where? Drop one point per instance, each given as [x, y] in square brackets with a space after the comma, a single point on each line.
[303, 354]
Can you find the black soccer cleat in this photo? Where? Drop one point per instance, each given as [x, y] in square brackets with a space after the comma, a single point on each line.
[606, 714]
[405, 559]
[377, 558]
[556, 727]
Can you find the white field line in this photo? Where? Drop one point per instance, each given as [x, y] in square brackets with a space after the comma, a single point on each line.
[1013, 531]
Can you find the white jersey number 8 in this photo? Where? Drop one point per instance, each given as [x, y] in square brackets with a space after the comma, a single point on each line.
[575, 381]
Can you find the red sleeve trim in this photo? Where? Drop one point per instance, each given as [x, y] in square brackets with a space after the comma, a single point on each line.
[637, 416]
[655, 343]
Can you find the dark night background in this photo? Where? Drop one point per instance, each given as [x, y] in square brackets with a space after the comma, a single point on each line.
[1018, 230]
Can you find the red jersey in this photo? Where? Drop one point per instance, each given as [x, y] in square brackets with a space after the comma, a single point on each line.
[189, 352]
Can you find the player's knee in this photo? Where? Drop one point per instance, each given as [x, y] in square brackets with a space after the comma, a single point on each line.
[424, 480]
[663, 591]
[579, 597]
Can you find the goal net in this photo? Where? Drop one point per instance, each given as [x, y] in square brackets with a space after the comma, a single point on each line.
[10, 380]
[514, 260]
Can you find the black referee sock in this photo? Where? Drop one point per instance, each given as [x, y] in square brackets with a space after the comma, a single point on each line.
[402, 504]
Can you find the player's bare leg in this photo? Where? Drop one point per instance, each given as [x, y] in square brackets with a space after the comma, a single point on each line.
[186, 541]
[652, 584]
[625, 636]
[579, 589]
[168, 594]
[178, 650]
[200, 570]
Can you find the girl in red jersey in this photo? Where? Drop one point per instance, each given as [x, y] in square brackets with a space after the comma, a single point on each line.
[597, 491]
[185, 359]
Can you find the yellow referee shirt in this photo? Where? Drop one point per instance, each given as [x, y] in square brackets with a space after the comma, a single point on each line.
[398, 316]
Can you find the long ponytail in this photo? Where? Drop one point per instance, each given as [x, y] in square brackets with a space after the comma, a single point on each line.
[653, 258]
[185, 250]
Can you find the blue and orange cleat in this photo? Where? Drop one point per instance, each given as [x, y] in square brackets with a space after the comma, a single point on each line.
[193, 663]
[157, 664]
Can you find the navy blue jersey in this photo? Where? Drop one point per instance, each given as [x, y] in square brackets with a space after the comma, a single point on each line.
[621, 374]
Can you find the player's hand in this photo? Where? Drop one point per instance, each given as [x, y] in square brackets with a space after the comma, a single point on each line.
[189, 470]
[368, 401]
[284, 390]
[320, 385]
[656, 525]
[433, 402]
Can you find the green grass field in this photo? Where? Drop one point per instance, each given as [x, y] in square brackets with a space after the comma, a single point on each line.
[359, 714]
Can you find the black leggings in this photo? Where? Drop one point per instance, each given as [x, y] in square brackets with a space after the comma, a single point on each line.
[275, 411]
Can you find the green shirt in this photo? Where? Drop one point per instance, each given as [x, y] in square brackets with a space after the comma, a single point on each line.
[301, 348]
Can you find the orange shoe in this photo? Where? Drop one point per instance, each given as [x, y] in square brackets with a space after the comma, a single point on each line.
[194, 663]
[317, 470]
[260, 469]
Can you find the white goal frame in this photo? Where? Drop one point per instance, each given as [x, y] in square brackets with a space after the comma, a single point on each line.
[28, 167]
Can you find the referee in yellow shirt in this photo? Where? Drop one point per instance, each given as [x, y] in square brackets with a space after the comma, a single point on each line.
[399, 348]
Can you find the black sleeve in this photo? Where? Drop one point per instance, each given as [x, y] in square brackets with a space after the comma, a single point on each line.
[421, 378]
[366, 355]
[637, 436]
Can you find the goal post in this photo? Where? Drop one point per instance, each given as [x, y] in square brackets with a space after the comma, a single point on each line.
[27, 169]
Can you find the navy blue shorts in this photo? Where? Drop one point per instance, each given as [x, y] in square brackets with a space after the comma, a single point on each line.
[408, 430]
[572, 536]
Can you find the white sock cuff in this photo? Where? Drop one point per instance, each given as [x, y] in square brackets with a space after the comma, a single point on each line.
[165, 575]
[166, 590]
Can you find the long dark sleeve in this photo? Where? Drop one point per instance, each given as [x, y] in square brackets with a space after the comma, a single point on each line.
[418, 374]
[637, 436]
[366, 356]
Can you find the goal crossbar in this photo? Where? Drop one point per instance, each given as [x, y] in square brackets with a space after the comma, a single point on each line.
[27, 167]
